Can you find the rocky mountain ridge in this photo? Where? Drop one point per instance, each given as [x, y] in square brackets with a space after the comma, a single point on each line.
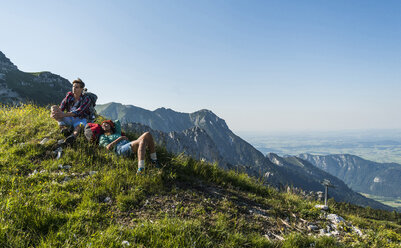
[18, 87]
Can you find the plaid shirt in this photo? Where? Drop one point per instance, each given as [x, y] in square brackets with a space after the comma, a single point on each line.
[80, 108]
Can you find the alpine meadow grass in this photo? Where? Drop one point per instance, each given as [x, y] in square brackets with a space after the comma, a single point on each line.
[92, 198]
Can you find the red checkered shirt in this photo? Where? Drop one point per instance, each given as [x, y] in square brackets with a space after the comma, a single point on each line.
[79, 108]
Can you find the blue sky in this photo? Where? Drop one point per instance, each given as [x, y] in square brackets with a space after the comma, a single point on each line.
[263, 66]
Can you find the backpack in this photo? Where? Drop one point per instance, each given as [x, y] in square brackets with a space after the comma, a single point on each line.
[93, 131]
[92, 110]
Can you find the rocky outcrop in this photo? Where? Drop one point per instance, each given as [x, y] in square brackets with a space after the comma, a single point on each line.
[359, 174]
[20, 87]
[8, 96]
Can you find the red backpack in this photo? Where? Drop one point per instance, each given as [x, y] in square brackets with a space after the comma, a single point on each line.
[93, 131]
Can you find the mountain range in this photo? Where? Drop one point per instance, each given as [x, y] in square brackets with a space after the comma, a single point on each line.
[203, 135]
[359, 174]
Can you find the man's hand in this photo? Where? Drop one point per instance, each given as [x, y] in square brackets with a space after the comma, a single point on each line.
[109, 146]
[58, 115]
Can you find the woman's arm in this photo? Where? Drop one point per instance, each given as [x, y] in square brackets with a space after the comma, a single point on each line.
[110, 146]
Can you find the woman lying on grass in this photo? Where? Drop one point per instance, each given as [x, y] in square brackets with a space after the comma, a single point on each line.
[113, 140]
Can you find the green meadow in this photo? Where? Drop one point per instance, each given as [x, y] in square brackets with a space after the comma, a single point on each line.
[92, 198]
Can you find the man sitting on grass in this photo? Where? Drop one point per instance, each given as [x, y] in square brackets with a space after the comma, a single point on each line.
[113, 140]
[76, 104]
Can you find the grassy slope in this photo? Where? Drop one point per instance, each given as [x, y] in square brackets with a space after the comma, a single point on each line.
[101, 202]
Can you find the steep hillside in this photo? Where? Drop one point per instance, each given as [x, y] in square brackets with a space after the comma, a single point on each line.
[359, 174]
[91, 198]
[20, 87]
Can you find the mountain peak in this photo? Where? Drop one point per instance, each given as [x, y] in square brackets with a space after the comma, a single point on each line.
[205, 111]
[6, 64]
[164, 110]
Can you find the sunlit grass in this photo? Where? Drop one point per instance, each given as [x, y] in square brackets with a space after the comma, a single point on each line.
[101, 202]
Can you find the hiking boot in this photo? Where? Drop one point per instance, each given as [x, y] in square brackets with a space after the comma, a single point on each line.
[155, 163]
[66, 131]
[70, 139]
[140, 171]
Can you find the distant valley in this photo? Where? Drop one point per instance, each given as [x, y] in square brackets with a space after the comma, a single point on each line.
[373, 172]
[376, 145]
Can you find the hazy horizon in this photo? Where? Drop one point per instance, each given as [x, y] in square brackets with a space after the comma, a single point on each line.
[374, 145]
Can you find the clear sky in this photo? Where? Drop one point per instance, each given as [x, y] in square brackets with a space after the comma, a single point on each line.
[262, 66]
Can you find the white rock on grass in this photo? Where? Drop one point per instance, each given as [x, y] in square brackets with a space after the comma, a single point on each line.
[33, 173]
[357, 230]
[125, 243]
[59, 152]
[66, 167]
[322, 207]
[44, 141]
[335, 218]
[313, 227]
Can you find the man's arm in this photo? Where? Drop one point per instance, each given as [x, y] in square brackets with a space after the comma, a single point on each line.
[60, 115]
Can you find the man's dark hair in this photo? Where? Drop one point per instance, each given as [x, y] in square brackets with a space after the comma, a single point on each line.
[80, 82]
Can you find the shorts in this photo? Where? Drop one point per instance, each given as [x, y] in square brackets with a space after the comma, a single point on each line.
[72, 121]
[123, 148]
